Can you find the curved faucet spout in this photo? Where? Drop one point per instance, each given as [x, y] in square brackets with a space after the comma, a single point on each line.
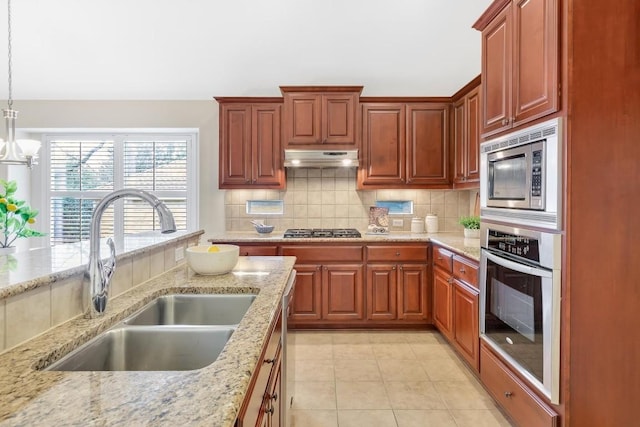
[98, 275]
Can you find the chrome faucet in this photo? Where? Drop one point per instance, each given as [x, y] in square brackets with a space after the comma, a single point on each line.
[98, 275]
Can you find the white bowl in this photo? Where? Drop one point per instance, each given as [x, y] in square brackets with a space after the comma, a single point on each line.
[209, 263]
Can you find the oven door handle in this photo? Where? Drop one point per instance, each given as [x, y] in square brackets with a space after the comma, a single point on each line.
[521, 268]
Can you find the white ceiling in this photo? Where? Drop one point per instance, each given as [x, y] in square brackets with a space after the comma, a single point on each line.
[197, 49]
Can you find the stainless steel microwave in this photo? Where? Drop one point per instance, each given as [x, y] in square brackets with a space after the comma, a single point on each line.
[521, 176]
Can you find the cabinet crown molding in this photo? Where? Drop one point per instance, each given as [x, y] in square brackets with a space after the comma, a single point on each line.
[285, 89]
[492, 11]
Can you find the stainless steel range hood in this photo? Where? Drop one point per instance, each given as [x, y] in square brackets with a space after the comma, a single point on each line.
[320, 158]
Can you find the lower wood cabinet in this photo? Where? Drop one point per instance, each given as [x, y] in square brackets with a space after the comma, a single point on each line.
[456, 299]
[261, 406]
[397, 284]
[524, 406]
[307, 300]
[342, 292]
[258, 250]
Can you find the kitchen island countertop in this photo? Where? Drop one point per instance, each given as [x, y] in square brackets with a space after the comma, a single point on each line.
[453, 241]
[209, 396]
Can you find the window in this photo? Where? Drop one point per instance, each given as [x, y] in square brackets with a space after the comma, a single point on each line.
[82, 169]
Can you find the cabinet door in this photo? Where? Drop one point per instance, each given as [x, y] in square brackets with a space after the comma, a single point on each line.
[459, 137]
[442, 314]
[466, 336]
[267, 167]
[383, 145]
[307, 301]
[342, 292]
[535, 61]
[413, 301]
[472, 110]
[235, 145]
[496, 73]
[338, 119]
[427, 144]
[382, 291]
[303, 119]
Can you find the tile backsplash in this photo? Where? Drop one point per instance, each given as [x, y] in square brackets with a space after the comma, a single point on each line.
[327, 198]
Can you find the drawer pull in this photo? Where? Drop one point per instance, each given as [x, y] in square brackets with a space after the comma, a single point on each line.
[274, 396]
[269, 360]
[397, 253]
[439, 258]
[462, 270]
[508, 394]
[269, 411]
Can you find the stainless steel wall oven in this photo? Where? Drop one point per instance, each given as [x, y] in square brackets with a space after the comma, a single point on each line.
[520, 301]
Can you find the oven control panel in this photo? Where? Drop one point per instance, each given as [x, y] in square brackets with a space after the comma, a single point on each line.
[512, 244]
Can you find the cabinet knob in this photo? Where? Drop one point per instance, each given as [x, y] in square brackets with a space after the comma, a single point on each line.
[269, 360]
[397, 253]
[450, 280]
[462, 270]
[274, 396]
[393, 268]
[269, 411]
[508, 394]
[326, 268]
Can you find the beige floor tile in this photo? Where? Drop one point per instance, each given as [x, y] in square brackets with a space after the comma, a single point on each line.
[444, 370]
[421, 337]
[314, 395]
[357, 370]
[414, 395]
[479, 418]
[463, 395]
[313, 351]
[362, 395]
[311, 337]
[424, 418]
[347, 337]
[387, 337]
[358, 418]
[402, 370]
[353, 351]
[431, 351]
[314, 418]
[397, 351]
[314, 370]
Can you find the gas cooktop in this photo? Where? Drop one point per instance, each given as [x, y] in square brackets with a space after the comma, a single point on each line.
[321, 232]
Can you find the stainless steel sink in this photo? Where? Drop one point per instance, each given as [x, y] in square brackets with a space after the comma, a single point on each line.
[189, 309]
[165, 348]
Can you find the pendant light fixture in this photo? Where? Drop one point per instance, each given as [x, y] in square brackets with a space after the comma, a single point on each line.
[12, 151]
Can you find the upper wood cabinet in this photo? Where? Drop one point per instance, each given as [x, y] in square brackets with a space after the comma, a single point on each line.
[465, 134]
[250, 143]
[520, 52]
[404, 145]
[320, 116]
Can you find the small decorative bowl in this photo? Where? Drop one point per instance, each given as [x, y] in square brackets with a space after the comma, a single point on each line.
[221, 261]
[264, 229]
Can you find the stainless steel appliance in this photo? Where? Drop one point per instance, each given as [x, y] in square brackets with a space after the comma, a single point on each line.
[521, 176]
[287, 375]
[321, 233]
[520, 301]
[320, 158]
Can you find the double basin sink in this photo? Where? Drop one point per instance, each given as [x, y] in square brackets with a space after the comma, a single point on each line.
[172, 333]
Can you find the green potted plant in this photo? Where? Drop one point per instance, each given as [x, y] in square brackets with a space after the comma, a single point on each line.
[471, 226]
[16, 217]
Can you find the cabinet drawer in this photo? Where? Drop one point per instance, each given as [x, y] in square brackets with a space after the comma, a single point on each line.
[324, 253]
[465, 270]
[246, 250]
[442, 258]
[521, 404]
[396, 253]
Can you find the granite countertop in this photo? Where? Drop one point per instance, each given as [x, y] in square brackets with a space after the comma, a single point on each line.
[453, 241]
[22, 271]
[209, 396]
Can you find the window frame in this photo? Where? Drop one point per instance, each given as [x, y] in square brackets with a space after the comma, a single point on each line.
[119, 137]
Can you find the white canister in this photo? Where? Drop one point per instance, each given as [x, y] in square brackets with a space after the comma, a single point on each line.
[417, 225]
[431, 221]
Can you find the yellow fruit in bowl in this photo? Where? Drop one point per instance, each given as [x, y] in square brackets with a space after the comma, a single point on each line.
[213, 249]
